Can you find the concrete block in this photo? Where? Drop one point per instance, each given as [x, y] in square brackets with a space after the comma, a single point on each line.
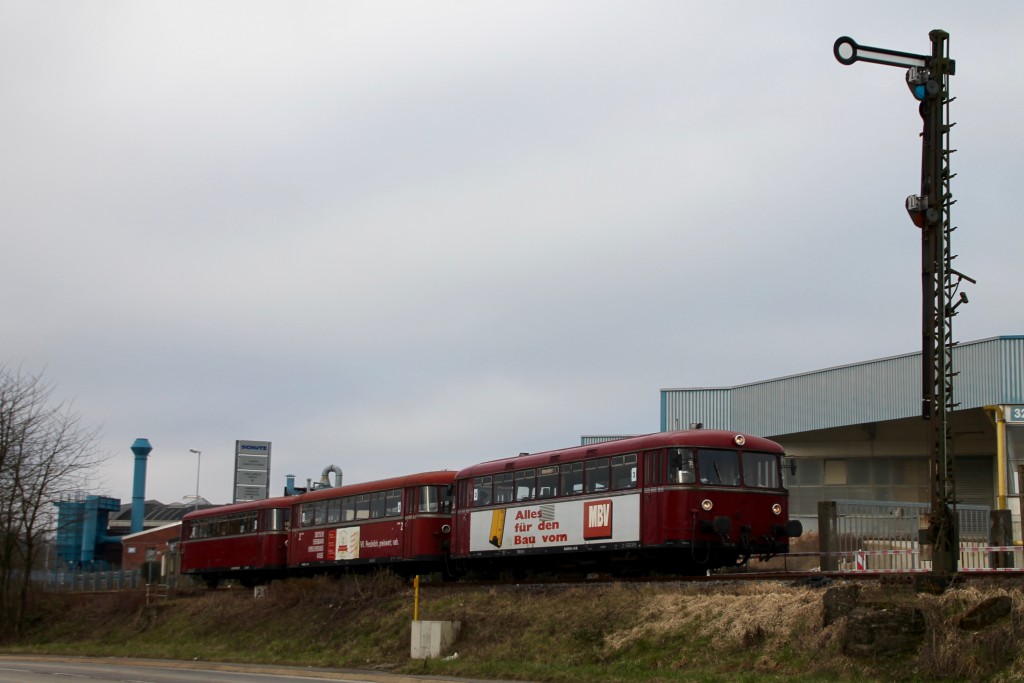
[431, 638]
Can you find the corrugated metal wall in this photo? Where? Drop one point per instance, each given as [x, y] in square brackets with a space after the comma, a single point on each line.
[991, 371]
[681, 407]
[596, 439]
[1012, 352]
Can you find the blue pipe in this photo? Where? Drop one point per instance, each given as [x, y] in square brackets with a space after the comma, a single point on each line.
[141, 449]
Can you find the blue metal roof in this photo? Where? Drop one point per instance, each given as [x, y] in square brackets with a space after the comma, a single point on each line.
[991, 372]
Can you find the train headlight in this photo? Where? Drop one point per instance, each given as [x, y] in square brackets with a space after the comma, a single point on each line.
[739, 439]
[776, 509]
[706, 505]
[446, 529]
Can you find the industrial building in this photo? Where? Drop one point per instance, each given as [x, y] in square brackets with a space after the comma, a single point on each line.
[153, 551]
[856, 432]
[93, 531]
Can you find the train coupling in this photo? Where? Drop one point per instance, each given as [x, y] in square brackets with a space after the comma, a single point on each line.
[791, 529]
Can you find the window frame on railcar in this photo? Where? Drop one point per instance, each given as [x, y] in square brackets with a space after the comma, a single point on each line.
[222, 522]
[601, 475]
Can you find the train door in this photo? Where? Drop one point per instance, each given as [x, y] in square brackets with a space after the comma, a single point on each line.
[653, 478]
[410, 504]
[463, 511]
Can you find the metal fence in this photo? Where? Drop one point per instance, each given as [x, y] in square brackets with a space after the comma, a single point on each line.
[886, 536]
[87, 581]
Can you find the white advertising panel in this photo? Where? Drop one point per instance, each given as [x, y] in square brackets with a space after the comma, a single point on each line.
[252, 470]
[569, 523]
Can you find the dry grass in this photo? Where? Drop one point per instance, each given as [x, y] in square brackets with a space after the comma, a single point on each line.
[617, 632]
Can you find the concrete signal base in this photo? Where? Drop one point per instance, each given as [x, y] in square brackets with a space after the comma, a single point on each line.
[431, 638]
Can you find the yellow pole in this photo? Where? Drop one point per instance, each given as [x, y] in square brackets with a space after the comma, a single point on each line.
[999, 417]
[416, 600]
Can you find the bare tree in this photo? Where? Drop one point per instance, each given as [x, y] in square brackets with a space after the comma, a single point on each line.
[45, 451]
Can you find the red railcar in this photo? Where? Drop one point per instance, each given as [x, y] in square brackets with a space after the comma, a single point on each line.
[403, 523]
[245, 541]
[682, 502]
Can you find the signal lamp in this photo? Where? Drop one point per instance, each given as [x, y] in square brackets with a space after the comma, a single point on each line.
[916, 208]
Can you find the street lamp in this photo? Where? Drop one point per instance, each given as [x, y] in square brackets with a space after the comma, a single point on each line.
[199, 460]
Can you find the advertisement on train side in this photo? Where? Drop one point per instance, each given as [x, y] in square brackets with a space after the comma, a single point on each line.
[565, 524]
[369, 541]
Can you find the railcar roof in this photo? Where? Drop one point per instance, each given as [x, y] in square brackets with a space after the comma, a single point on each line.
[438, 478]
[246, 506]
[690, 438]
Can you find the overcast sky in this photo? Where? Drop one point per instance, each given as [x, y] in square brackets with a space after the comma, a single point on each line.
[396, 237]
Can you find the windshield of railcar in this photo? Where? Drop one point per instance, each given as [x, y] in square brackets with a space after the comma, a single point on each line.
[729, 468]
[761, 470]
[435, 499]
[718, 468]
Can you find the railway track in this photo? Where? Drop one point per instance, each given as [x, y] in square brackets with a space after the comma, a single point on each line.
[810, 578]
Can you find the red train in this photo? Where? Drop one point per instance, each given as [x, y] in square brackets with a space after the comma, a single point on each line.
[672, 502]
[402, 523]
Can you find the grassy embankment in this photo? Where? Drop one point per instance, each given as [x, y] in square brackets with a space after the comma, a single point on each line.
[610, 632]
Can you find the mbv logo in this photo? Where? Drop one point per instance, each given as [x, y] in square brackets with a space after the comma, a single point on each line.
[597, 520]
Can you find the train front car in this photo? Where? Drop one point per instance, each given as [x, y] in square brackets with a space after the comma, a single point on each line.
[244, 541]
[673, 502]
[402, 523]
[713, 499]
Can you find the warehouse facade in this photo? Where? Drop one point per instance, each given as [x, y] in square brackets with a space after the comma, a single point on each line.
[856, 432]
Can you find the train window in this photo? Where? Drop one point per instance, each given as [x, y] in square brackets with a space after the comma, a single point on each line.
[718, 468]
[654, 466]
[481, 491]
[572, 478]
[428, 499]
[363, 506]
[597, 475]
[277, 520]
[547, 481]
[436, 498]
[393, 503]
[624, 471]
[761, 470]
[307, 514]
[320, 512]
[680, 466]
[376, 505]
[348, 508]
[503, 488]
[526, 484]
[334, 511]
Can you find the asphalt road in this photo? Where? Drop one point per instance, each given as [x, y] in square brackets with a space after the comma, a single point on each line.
[24, 669]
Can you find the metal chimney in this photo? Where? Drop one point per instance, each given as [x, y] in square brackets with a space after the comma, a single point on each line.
[141, 449]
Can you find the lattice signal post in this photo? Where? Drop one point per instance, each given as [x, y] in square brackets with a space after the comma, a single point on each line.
[928, 80]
